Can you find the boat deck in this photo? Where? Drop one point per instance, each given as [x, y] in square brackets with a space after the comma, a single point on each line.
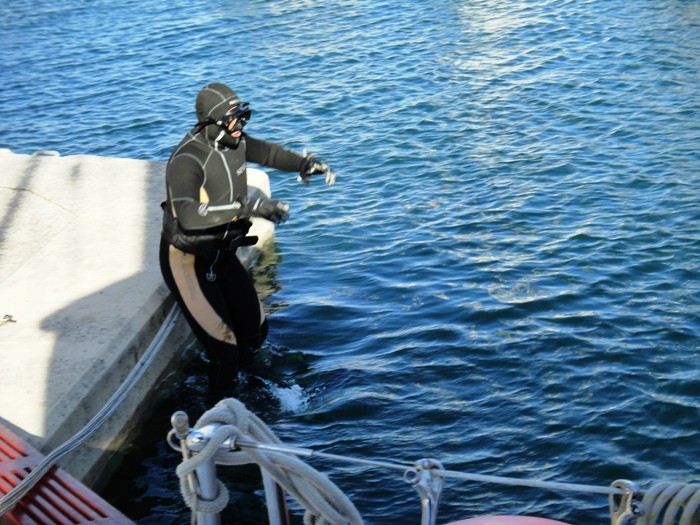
[58, 499]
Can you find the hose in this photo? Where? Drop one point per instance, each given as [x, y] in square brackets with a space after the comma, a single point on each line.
[38, 472]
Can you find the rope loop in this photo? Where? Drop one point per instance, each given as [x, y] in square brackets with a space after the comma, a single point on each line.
[323, 501]
[185, 471]
[665, 501]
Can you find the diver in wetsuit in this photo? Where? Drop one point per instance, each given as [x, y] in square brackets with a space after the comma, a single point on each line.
[207, 215]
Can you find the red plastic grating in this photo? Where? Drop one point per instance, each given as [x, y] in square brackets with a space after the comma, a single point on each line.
[58, 499]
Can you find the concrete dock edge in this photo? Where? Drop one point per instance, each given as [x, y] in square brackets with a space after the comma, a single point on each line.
[82, 298]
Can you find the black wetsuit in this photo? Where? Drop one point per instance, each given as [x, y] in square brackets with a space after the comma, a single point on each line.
[206, 184]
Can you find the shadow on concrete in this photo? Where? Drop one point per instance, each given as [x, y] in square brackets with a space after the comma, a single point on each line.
[79, 277]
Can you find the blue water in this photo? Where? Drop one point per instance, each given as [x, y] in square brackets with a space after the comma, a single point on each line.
[506, 276]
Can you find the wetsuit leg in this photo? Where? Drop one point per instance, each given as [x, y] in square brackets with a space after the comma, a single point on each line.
[244, 309]
[220, 304]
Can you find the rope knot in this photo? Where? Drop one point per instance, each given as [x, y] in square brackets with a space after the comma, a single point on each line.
[322, 500]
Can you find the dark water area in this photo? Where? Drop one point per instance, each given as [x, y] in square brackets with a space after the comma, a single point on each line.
[505, 276]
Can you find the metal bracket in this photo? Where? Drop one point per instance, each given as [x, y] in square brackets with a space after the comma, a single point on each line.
[429, 487]
[624, 508]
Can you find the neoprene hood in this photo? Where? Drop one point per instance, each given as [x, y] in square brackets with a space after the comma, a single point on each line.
[214, 100]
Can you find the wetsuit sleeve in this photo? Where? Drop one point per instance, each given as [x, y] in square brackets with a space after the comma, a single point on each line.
[272, 155]
[185, 178]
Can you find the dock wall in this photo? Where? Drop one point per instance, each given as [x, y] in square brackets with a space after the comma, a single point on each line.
[82, 297]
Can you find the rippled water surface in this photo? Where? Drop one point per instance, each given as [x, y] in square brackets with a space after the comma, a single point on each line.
[505, 276]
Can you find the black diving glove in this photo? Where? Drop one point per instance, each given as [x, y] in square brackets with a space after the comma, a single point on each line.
[270, 209]
[314, 166]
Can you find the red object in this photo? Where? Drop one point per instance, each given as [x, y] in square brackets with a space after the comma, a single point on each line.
[57, 499]
[507, 520]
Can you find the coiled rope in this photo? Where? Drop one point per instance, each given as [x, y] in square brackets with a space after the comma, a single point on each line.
[672, 497]
[38, 472]
[323, 501]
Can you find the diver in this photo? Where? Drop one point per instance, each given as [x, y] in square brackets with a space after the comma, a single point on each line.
[207, 215]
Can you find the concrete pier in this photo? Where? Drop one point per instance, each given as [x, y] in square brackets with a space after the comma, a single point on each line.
[82, 297]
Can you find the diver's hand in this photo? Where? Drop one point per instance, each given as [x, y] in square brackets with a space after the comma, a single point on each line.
[270, 209]
[315, 166]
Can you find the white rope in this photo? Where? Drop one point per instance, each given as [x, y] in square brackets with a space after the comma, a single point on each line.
[187, 467]
[38, 472]
[323, 501]
[325, 504]
[666, 500]
[483, 478]
[533, 483]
